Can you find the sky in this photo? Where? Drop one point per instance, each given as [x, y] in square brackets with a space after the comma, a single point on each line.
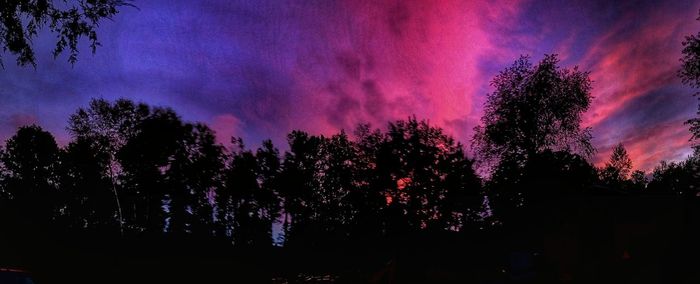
[261, 68]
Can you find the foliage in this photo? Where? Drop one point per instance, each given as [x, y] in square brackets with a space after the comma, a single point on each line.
[534, 108]
[87, 187]
[681, 178]
[30, 160]
[145, 171]
[617, 169]
[544, 180]
[690, 75]
[638, 181]
[21, 21]
[106, 127]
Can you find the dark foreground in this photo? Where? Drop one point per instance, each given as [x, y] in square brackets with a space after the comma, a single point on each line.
[607, 240]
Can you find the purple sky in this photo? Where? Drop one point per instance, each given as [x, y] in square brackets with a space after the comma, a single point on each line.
[259, 69]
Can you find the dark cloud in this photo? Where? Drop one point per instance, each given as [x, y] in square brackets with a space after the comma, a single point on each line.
[658, 106]
[344, 108]
[375, 102]
[351, 64]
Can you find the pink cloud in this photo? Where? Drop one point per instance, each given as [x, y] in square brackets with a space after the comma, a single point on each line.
[629, 62]
[624, 66]
[226, 126]
[648, 146]
[388, 61]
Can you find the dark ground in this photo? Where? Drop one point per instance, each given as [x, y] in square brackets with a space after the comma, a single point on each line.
[642, 239]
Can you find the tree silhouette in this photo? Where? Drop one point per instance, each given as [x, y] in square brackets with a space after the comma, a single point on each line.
[638, 181]
[251, 198]
[368, 195]
[338, 189]
[558, 173]
[531, 139]
[145, 160]
[464, 195]
[534, 108]
[242, 181]
[107, 127]
[420, 160]
[70, 20]
[269, 168]
[88, 189]
[193, 178]
[523, 195]
[345, 200]
[30, 179]
[679, 178]
[617, 169]
[300, 181]
[690, 75]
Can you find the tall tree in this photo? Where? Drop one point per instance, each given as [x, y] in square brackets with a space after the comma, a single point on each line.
[194, 177]
[463, 206]
[420, 160]
[369, 197]
[269, 169]
[531, 141]
[534, 108]
[617, 169]
[300, 180]
[690, 75]
[338, 160]
[30, 159]
[638, 181]
[107, 127]
[145, 159]
[70, 20]
[90, 203]
[248, 202]
[679, 178]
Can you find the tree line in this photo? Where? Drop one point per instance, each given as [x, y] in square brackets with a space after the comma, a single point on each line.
[135, 169]
[132, 169]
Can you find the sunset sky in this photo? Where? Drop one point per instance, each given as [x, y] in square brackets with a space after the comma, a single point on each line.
[258, 69]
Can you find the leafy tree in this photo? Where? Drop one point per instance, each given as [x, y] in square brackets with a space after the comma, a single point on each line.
[558, 173]
[30, 161]
[617, 169]
[338, 172]
[531, 140]
[368, 196]
[194, 177]
[145, 159]
[269, 169]
[690, 75]
[464, 196]
[107, 127]
[300, 181]
[225, 203]
[638, 181]
[162, 169]
[70, 20]
[419, 159]
[679, 178]
[90, 203]
[242, 180]
[524, 195]
[534, 108]
[249, 202]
